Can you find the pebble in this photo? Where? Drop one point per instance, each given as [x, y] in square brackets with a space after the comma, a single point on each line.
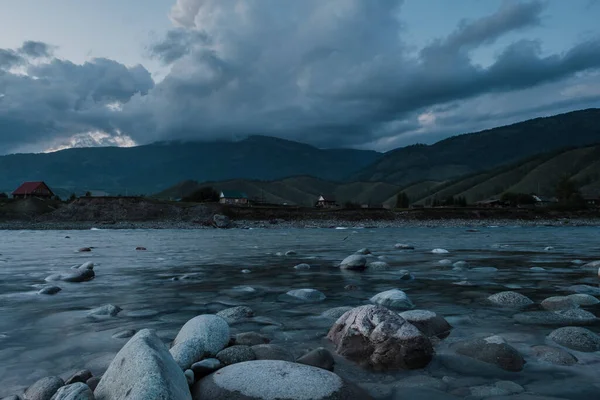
[246, 271]
[189, 377]
[379, 266]
[108, 310]
[93, 382]
[445, 262]
[583, 299]
[290, 253]
[140, 248]
[354, 262]
[585, 289]
[126, 334]
[402, 246]
[364, 251]
[564, 317]
[440, 251]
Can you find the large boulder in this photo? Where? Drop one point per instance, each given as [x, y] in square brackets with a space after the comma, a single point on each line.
[44, 389]
[428, 322]
[275, 380]
[74, 391]
[354, 262]
[394, 298]
[143, 369]
[576, 338]
[493, 350]
[510, 299]
[200, 337]
[376, 337]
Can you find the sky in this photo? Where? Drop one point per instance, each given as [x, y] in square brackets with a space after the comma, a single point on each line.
[369, 74]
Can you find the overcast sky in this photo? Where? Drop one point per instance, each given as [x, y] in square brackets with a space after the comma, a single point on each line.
[374, 74]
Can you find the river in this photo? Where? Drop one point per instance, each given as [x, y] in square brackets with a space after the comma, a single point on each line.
[43, 335]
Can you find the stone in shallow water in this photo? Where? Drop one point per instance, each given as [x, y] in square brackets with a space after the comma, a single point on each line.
[394, 298]
[428, 322]
[335, 313]
[235, 354]
[107, 310]
[510, 299]
[235, 314]
[302, 266]
[379, 266]
[537, 269]
[320, 358]
[290, 253]
[461, 264]
[201, 336]
[272, 352]
[251, 339]
[576, 338]
[308, 295]
[354, 262]
[143, 369]
[440, 251]
[205, 367]
[585, 289]
[189, 376]
[49, 290]
[558, 303]
[44, 389]
[79, 376]
[488, 270]
[564, 317]
[553, 355]
[378, 338]
[75, 391]
[275, 380]
[402, 246]
[126, 334]
[493, 351]
[583, 299]
[364, 251]
[445, 262]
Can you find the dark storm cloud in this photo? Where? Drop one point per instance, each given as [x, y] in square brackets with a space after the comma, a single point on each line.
[36, 49]
[332, 73]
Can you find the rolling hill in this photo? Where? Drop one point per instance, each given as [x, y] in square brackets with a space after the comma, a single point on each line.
[301, 190]
[539, 175]
[152, 168]
[470, 153]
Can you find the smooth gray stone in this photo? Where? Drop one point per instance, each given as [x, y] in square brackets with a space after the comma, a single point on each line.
[235, 354]
[44, 389]
[576, 338]
[202, 336]
[335, 313]
[205, 367]
[235, 314]
[553, 355]
[49, 290]
[394, 298]
[107, 310]
[251, 339]
[510, 299]
[126, 334]
[493, 351]
[275, 380]
[354, 262]
[74, 391]
[93, 382]
[143, 369]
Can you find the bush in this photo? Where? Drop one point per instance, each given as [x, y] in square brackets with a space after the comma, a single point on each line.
[402, 200]
[203, 195]
[3, 195]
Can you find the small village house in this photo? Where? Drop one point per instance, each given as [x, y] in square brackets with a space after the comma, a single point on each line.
[33, 189]
[233, 197]
[326, 202]
[592, 200]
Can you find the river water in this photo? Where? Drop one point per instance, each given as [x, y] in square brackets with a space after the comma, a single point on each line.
[44, 335]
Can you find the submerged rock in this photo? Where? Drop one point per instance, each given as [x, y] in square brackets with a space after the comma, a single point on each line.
[308, 295]
[420, 381]
[576, 338]
[143, 369]
[364, 251]
[290, 253]
[583, 299]
[335, 313]
[461, 264]
[564, 317]
[440, 251]
[376, 337]
[275, 380]
[320, 358]
[49, 290]
[558, 303]
[107, 310]
[354, 262]
[302, 266]
[585, 289]
[553, 355]
[74, 391]
[445, 262]
[491, 350]
[235, 314]
[402, 246]
[394, 298]
[44, 389]
[379, 266]
[510, 299]
[201, 336]
[126, 334]
[428, 322]
[272, 352]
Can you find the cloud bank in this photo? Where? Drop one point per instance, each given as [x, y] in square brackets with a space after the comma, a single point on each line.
[332, 73]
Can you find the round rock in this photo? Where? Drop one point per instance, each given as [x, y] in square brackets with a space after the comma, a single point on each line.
[205, 367]
[302, 266]
[558, 303]
[491, 350]
[75, 391]
[49, 290]
[553, 355]
[394, 298]
[576, 338]
[320, 358]
[379, 266]
[376, 337]
[235, 314]
[79, 376]
[44, 389]
[201, 336]
[583, 299]
[108, 310]
[307, 295]
[510, 299]
[428, 322]
[440, 251]
[585, 289]
[275, 380]
[251, 339]
[235, 354]
[354, 262]
[364, 251]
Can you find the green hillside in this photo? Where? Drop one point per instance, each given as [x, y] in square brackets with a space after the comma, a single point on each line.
[302, 191]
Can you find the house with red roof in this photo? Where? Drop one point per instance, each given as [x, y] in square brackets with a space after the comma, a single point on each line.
[33, 189]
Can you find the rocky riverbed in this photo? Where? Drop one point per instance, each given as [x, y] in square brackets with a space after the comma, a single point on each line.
[454, 312]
